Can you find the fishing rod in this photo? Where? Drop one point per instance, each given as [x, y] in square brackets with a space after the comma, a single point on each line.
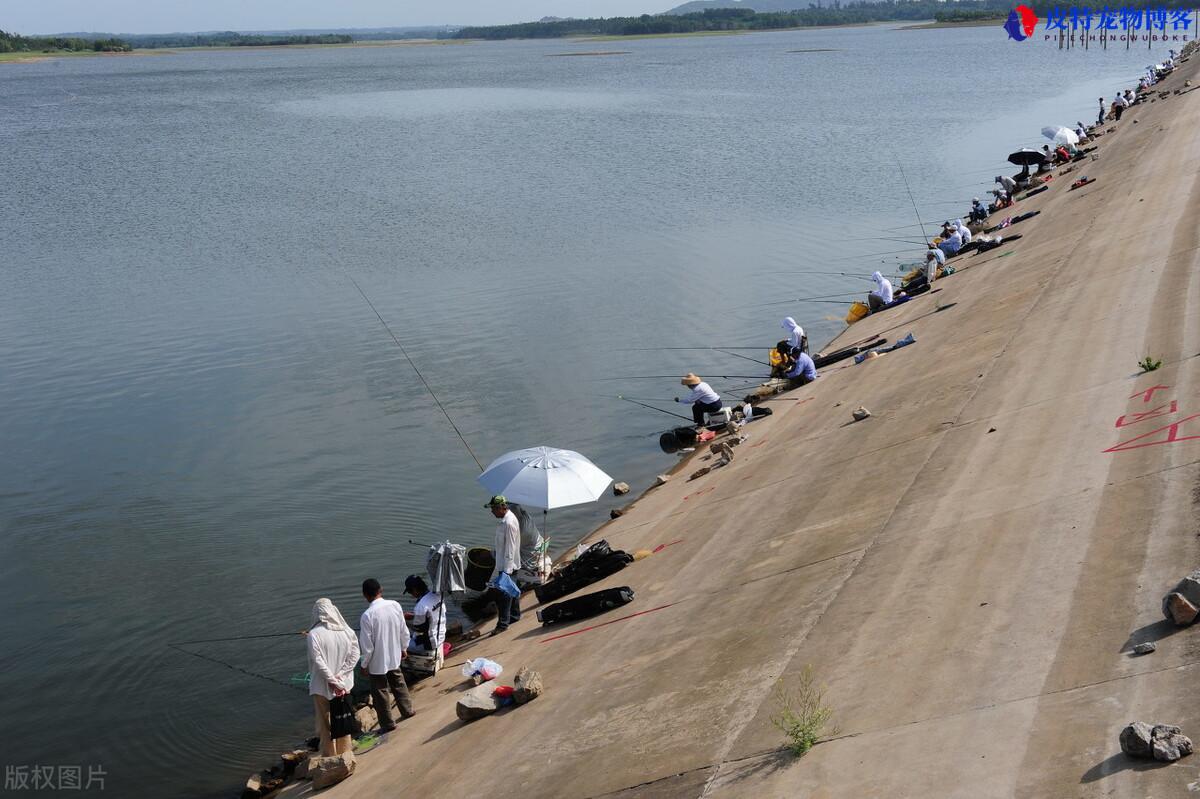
[417, 371]
[872, 254]
[807, 272]
[924, 235]
[663, 377]
[743, 357]
[660, 410]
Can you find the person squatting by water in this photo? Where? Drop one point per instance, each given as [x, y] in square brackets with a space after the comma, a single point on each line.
[508, 560]
[332, 653]
[428, 619]
[383, 636]
[882, 295]
[702, 398]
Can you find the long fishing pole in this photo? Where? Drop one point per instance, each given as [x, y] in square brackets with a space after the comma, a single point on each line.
[420, 376]
[924, 235]
[663, 377]
[660, 410]
[744, 357]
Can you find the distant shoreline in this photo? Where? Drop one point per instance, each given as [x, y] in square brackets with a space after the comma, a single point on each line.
[33, 56]
[971, 23]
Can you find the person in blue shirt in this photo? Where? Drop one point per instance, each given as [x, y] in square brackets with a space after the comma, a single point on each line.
[803, 371]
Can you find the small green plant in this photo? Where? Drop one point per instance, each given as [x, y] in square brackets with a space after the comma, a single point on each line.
[1148, 364]
[803, 716]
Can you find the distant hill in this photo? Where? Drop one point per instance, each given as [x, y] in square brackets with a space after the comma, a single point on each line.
[762, 6]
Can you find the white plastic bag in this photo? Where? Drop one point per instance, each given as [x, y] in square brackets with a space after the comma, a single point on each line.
[486, 669]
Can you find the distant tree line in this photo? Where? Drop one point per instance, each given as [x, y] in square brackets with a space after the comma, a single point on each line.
[234, 39]
[734, 19]
[15, 43]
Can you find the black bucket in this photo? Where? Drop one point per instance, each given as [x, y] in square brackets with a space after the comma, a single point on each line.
[674, 440]
[480, 565]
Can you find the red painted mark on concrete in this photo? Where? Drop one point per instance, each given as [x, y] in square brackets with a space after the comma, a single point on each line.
[1172, 436]
[605, 624]
[760, 443]
[1134, 418]
[698, 493]
[1148, 393]
[661, 547]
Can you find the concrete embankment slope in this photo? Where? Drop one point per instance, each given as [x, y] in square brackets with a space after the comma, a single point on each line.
[965, 571]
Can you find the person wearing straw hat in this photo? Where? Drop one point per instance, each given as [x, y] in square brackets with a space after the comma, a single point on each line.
[702, 398]
[332, 653]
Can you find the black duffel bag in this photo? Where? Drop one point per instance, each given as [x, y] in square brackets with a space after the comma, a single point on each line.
[594, 563]
[586, 606]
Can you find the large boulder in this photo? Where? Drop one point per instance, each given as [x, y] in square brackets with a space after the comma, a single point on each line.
[326, 771]
[1136, 740]
[527, 686]
[1164, 742]
[367, 718]
[477, 702]
[1182, 604]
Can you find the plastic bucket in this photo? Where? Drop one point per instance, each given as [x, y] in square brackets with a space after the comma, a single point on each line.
[480, 565]
[857, 311]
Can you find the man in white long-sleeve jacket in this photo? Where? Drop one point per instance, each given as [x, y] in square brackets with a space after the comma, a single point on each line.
[508, 560]
[383, 639]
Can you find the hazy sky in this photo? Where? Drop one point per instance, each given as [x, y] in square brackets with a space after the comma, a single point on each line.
[169, 16]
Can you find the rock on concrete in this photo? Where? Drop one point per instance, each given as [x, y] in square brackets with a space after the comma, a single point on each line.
[528, 686]
[1182, 604]
[367, 718]
[1144, 648]
[662, 480]
[477, 702]
[253, 788]
[1164, 742]
[620, 488]
[326, 771]
[1178, 609]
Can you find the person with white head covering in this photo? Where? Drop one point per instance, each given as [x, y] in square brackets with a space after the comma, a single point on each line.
[934, 260]
[702, 398]
[883, 292]
[963, 231]
[1007, 183]
[796, 338]
[951, 241]
[332, 653]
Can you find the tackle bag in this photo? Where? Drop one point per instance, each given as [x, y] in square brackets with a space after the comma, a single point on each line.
[594, 563]
[342, 720]
[586, 606]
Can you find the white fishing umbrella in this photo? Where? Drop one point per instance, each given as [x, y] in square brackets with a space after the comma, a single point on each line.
[545, 477]
[1060, 135]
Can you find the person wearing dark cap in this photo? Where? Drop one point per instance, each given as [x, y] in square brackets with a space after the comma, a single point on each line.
[428, 619]
[508, 560]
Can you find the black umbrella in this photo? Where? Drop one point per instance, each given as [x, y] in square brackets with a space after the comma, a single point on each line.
[1026, 157]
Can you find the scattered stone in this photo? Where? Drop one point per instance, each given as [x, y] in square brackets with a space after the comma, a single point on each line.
[477, 702]
[661, 480]
[253, 788]
[292, 760]
[991, 429]
[1182, 604]
[616, 513]
[1136, 741]
[1144, 649]
[367, 718]
[620, 488]
[326, 771]
[527, 686]
[860, 413]
[1164, 742]
[700, 472]
[301, 772]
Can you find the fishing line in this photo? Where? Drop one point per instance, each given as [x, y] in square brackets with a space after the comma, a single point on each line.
[660, 410]
[424, 382]
[924, 235]
[232, 667]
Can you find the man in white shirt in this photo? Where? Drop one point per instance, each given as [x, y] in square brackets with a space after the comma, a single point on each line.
[429, 617]
[508, 560]
[383, 639]
[702, 398]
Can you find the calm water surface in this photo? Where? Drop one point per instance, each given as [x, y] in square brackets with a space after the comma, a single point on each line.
[205, 427]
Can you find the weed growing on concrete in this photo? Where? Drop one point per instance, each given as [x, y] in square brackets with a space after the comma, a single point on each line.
[803, 716]
[1148, 364]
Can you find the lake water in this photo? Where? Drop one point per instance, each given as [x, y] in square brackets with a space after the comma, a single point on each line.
[204, 425]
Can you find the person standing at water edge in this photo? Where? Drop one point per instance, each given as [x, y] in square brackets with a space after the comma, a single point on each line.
[1100, 119]
[702, 398]
[508, 560]
[332, 653]
[384, 638]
